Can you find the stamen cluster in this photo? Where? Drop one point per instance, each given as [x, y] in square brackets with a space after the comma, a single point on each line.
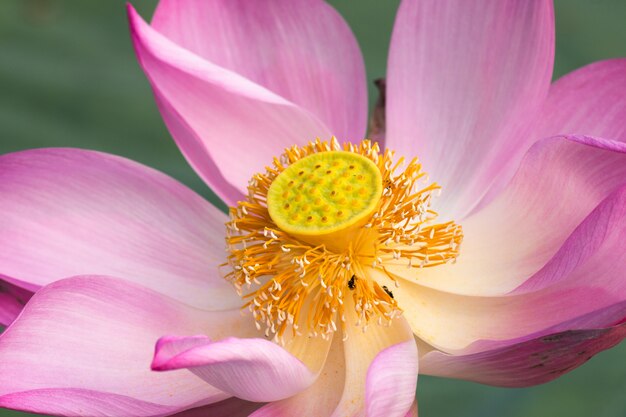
[307, 288]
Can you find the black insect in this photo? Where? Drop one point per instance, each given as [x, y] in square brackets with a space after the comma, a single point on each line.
[351, 282]
[389, 293]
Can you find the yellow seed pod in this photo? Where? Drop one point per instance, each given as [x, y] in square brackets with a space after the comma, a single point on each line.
[323, 194]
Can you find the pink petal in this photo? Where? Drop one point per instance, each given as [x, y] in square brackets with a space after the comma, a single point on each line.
[373, 371]
[413, 411]
[518, 363]
[226, 125]
[82, 346]
[321, 398]
[372, 357]
[391, 378]
[250, 369]
[587, 101]
[594, 240]
[68, 212]
[464, 81]
[78, 402]
[12, 301]
[301, 50]
[232, 407]
[560, 181]
[584, 277]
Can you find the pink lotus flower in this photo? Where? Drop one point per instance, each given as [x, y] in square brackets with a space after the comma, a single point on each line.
[121, 256]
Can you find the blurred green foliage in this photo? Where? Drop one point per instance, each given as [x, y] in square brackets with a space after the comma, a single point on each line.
[68, 77]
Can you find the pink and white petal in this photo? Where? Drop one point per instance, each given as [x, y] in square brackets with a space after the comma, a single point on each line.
[227, 126]
[374, 372]
[464, 81]
[372, 356]
[588, 101]
[232, 407]
[301, 50]
[10, 307]
[413, 411]
[69, 212]
[83, 346]
[251, 369]
[12, 301]
[586, 276]
[519, 363]
[560, 181]
[391, 380]
[79, 402]
[321, 398]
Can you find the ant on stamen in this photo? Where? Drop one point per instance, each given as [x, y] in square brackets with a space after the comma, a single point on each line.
[389, 293]
[351, 282]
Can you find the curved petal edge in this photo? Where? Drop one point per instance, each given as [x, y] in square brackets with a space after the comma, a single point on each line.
[251, 369]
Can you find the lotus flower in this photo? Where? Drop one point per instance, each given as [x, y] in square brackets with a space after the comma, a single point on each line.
[350, 272]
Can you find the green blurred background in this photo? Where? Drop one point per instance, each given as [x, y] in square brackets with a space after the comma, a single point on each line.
[68, 77]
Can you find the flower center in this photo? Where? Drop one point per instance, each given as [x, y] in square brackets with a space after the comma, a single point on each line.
[315, 222]
[325, 196]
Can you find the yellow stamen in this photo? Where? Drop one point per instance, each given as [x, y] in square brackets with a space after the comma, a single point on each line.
[297, 272]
